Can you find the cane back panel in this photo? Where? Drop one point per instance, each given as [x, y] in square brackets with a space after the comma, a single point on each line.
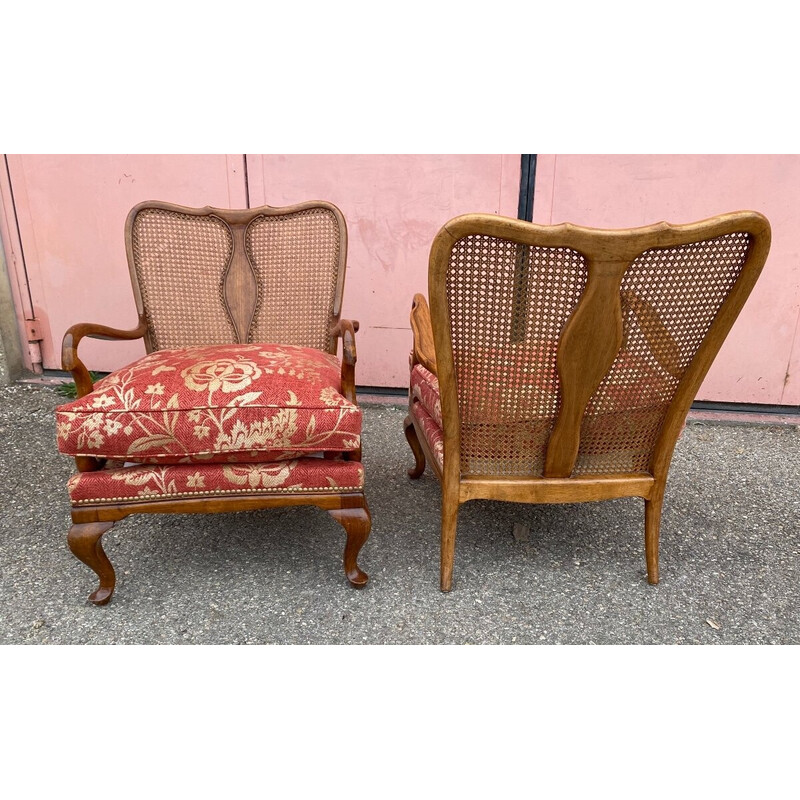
[509, 305]
[215, 276]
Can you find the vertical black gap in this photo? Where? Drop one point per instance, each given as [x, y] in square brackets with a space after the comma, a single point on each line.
[246, 182]
[19, 234]
[527, 179]
[521, 300]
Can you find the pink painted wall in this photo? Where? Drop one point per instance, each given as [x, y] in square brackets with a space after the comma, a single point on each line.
[71, 211]
[760, 361]
[394, 206]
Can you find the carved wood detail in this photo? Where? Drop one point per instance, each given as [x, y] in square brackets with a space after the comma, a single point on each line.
[589, 344]
[240, 287]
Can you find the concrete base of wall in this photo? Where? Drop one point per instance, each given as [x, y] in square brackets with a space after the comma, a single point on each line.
[11, 365]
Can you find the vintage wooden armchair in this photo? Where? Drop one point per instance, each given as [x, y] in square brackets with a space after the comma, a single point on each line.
[241, 402]
[557, 364]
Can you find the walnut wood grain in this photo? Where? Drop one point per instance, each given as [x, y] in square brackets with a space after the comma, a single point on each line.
[652, 527]
[557, 490]
[345, 329]
[84, 542]
[450, 506]
[91, 522]
[69, 348]
[239, 286]
[357, 524]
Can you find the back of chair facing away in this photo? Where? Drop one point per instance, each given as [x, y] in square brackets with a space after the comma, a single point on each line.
[565, 359]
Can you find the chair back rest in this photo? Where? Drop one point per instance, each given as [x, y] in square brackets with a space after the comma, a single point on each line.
[219, 276]
[566, 351]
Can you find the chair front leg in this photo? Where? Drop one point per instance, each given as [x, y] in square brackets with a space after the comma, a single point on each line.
[84, 542]
[357, 523]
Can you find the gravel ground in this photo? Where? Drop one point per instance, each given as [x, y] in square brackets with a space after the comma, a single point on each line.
[574, 574]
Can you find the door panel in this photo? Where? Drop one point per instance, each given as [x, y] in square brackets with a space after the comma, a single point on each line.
[625, 191]
[394, 205]
[71, 212]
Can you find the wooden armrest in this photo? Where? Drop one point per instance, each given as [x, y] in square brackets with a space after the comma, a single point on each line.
[346, 330]
[424, 351]
[69, 348]
[660, 341]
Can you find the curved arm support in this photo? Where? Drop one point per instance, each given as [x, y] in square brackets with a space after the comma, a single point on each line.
[83, 381]
[421, 327]
[69, 348]
[346, 329]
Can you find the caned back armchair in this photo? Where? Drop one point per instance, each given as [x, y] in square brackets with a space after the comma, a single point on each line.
[205, 276]
[565, 359]
[241, 402]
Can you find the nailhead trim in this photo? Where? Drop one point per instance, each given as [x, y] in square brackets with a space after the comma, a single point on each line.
[148, 498]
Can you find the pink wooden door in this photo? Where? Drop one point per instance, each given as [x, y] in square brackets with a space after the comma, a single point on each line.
[760, 360]
[65, 215]
[394, 205]
[63, 225]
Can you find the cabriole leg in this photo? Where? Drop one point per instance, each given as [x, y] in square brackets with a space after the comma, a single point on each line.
[84, 542]
[357, 524]
[416, 449]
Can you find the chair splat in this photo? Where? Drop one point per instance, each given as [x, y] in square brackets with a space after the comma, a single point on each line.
[239, 287]
[588, 347]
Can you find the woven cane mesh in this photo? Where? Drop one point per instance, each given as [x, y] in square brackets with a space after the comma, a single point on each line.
[686, 286]
[179, 261]
[507, 305]
[296, 260]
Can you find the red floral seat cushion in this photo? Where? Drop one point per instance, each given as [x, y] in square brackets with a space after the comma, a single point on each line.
[147, 482]
[220, 403]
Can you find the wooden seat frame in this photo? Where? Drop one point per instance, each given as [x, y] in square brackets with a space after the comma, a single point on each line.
[589, 343]
[347, 508]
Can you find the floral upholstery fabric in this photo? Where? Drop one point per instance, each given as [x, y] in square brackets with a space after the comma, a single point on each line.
[214, 404]
[146, 482]
[432, 432]
[425, 388]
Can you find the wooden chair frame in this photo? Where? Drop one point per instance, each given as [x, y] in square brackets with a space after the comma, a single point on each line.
[589, 343]
[347, 508]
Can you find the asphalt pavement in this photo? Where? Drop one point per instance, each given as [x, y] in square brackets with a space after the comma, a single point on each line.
[524, 574]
